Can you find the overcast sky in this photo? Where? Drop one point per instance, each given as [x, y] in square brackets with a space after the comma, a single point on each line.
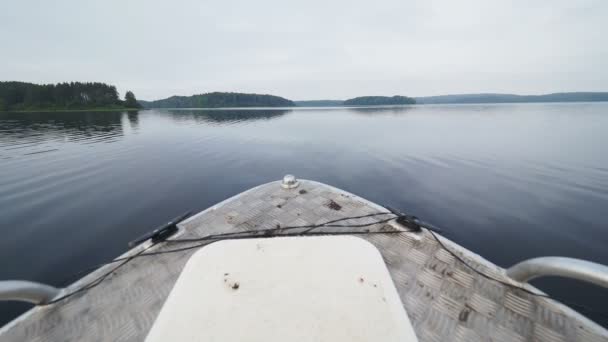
[314, 49]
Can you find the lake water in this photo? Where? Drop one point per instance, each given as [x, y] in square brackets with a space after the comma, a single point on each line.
[508, 181]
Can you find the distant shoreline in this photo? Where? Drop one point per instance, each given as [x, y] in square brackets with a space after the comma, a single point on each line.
[365, 106]
[482, 98]
[279, 108]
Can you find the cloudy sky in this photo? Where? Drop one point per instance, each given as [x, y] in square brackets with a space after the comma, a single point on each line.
[314, 49]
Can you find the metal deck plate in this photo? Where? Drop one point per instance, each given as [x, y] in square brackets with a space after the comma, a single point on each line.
[444, 299]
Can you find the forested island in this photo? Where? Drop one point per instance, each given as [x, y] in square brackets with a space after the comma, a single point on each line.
[460, 98]
[359, 101]
[21, 96]
[218, 100]
[379, 101]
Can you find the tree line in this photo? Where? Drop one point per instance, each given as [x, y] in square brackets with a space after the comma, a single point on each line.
[217, 99]
[72, 95]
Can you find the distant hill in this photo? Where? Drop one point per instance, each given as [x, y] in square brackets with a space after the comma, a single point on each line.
[217, 100]
[379, 101]
[319, 103]
[512, 98]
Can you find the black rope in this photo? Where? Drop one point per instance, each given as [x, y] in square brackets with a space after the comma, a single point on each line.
[432, 229]
[275, 232]
[99, 280]
[281, 232]
[513, 286]
[288, 228]
[261, 232]
[469, 266]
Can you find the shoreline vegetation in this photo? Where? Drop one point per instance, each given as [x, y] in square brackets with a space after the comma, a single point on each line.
[101, 97]
[73, 96]
[220, 100]
[485, 98]
[231, 100]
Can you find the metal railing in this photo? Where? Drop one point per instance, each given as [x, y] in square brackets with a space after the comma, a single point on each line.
[559, 267]
[27, 291]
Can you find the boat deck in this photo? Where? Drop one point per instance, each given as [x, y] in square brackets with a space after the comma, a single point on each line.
[445, 300]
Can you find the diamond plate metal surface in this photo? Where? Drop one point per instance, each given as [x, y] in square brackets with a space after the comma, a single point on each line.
[445, 300]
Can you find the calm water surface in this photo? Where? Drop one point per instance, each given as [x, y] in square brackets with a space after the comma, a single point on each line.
[509, 182]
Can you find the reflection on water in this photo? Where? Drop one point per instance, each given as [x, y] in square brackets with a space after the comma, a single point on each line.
[226, 116]
[394, 110]
[31, 133]
[507, 181]
[133, 117]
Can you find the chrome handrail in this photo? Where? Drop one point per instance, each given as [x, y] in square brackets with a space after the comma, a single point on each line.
[27, 291]
[561, 267]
